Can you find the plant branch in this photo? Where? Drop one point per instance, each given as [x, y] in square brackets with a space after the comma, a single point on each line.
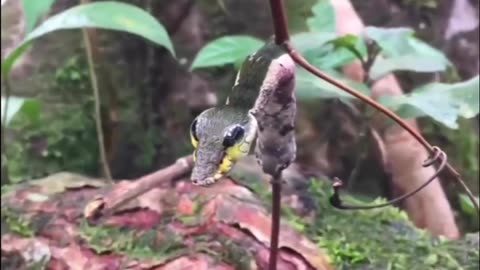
[276, 213]
[96, 94]
[338, 203]
[104, 206]
[279, 21]
[281, 37]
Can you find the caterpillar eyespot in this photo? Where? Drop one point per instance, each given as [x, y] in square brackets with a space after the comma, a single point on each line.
[233, 135]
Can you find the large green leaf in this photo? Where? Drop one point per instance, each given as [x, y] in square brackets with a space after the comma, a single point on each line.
[323, 19]
[105, 15]
[384, 66]
[226, 50]
[29, 107]
[402, 51]
[309, 87]
[442, 102]
[311, 41]
[33, 10]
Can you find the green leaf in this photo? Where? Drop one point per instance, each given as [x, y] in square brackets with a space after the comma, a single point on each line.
[310, 87]
[29, 107]
[104, 15]
[442, 102]
[14, 105]
[323, 19]
[226, 50]
[384, 66]
[335, 52]
[33, 10]
[392, 41]
[467, 205]
[402, 51]
[306, 41]
[352, 43]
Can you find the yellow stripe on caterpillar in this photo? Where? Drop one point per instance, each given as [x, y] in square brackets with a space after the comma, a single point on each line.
[194, 142]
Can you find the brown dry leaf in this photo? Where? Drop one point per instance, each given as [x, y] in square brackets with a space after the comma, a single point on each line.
[62, 181]
[33, 251]
[76, 257]
[254, 218]
[198, 262]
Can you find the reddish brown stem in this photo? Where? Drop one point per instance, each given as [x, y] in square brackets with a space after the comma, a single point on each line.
[279, 21]
[338, 203]
[275, 229]
[281, 36]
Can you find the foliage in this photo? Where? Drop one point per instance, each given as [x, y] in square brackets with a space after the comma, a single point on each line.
[105, 15]
[226, 50]
[29, 107]
[34, 10]
[400, 50]
[323, 19]
[16, 223]
[64, 142]
[444, 103]
[70, 134]
[60, 138]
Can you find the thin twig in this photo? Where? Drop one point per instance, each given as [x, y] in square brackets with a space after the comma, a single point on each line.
[104, 206]
[96, 94]
[338, 203]
[279, 21]
[275, 229]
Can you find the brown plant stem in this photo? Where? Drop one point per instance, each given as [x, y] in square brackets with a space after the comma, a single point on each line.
[98, 115]
[279, 21]
[96, 94]
[281, 36]
[276, 213]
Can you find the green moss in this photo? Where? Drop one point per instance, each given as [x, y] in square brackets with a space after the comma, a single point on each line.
[235, 255]
[381, 239]
[135, 245]
[14, 222]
